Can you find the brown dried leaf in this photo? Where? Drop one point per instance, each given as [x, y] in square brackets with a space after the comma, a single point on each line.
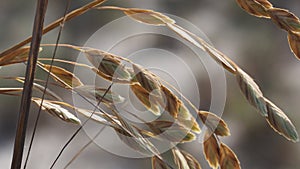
[280, 122]
[228, 160]
[57, 111]
[211, 150]
[285, 19]
[251, 91]
[63, 76]
[17, 56]
[214, 123]
[256, 7]
[150, 102]
[294, 41]
[144, 15]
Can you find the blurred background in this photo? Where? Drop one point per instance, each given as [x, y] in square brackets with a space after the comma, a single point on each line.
[255, 44]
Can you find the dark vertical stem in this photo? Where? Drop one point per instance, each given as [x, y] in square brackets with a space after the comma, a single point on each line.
[27, 89]
[46, 85]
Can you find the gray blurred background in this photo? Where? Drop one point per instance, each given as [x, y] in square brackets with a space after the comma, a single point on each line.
[257, 45]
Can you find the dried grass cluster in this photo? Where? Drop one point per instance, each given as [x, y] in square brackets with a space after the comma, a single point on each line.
[175, 122]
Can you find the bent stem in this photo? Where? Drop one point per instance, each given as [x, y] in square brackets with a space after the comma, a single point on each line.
[69, 16]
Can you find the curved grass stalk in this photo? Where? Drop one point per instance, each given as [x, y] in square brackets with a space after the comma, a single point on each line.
[247, 85]
[55, 24]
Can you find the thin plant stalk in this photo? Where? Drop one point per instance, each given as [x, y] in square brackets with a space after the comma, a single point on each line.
[29, 78]
[46, 85]
[84, 147]
[77, 131]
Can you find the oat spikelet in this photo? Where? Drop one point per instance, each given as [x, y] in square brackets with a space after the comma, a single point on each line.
[211, 150]
[294, 41]
[256, 7]
[147, 80]
[172, 103]
[251, 91]
[172, 131]
[184, 160]
[285, 19]
[191, 160]
[108, 66]
[280, 122]
[150, 102]
[228, 159]
[214, 123]
[56, 110]
[63, 76]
